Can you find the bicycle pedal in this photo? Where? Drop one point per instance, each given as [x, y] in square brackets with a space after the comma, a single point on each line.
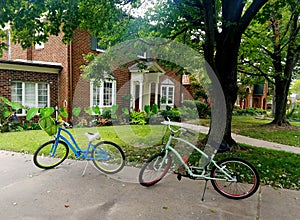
[179, 176]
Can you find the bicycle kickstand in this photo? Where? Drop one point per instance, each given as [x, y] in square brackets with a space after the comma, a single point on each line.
[204, 190]
[87, 163]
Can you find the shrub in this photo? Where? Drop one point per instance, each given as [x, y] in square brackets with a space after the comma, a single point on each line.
[250, 111]
[106, 113]
[173, 114]
[154, 108]
[137, 118]
[294, 114]
[201, 108]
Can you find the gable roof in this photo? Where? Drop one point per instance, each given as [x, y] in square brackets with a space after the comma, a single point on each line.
[151, 67]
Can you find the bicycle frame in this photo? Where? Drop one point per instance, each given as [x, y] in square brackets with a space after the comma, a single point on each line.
[204, 173]
[72, 144]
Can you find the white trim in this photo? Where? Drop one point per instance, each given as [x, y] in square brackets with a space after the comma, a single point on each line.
[29, 68]
[167, 94]
[101, 93]
[36, 94]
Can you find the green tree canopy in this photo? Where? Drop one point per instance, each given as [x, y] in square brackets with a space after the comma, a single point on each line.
[33, 21]
[270, 49]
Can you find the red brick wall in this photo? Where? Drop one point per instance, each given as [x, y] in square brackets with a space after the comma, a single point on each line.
[54, 51]
[7, 76]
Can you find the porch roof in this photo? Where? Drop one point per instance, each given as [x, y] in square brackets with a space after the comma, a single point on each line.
[151, 67]
[32, 66]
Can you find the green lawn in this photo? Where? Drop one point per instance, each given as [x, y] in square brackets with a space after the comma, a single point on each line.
[129, 137]
[276, 168]
[258, 128]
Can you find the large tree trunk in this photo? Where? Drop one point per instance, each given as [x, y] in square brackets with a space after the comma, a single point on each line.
[221, 48]
[281, 94]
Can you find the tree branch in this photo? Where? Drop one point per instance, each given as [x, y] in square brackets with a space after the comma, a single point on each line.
[249, 14]
[256, 75]
[172, 37]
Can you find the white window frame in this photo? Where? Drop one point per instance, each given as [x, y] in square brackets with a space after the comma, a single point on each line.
[167, 94]
[36, 104]
[101, 93]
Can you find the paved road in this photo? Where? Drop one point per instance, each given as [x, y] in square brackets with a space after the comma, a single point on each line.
[28, 193]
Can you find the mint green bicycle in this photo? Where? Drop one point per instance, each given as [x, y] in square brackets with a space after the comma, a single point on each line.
[233, 178]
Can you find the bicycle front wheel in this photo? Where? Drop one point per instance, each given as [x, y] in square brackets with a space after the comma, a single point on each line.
[108, 157]
[245, 178]
[49, 155]
[155, 168]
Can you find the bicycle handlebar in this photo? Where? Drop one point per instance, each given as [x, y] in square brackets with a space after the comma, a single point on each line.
[172, 130]
[62, 122]
[180, 129]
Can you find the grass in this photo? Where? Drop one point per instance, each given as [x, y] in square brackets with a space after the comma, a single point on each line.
[276, 168]
[133, 139]
[258, 128]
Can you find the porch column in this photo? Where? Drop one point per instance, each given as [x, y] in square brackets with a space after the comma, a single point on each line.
[132, 92]
[141, 96]
[156, 93]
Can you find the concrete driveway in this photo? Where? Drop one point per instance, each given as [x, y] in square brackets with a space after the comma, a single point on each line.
[27, 192]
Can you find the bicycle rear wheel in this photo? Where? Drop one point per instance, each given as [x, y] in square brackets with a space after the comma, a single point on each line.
[246, 178]
[49, 155]
[108, 157]
[155, 168]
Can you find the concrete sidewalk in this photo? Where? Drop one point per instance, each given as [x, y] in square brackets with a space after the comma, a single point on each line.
[244, 139]
[28, 193]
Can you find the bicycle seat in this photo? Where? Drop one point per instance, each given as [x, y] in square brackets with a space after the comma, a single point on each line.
[92, 136]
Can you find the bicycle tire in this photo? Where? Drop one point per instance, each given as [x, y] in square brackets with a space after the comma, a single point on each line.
[247, 178]
[43, 158]
[149, 175]
[108, 157]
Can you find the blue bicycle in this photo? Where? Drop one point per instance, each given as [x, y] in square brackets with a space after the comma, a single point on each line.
[107, 156]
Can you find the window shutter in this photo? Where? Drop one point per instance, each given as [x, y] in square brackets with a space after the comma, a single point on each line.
[94, 43]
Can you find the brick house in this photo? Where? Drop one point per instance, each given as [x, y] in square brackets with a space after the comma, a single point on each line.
[49, 75]
[256, 97]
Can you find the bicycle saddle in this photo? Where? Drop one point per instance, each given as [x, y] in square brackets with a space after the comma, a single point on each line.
[92, 136]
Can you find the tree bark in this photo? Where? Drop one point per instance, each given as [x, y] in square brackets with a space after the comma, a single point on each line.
[221, 48]
[281, 93]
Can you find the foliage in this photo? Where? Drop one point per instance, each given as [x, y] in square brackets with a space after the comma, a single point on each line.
[250, 111]
[137, 118]
[154, 108]
[270, 49]
[199, 91]
[33, 22]
[147, 110]
[212, 27]
[294, 114]
[195, 109]
[172, 113]
[8, 118]
[295, 88]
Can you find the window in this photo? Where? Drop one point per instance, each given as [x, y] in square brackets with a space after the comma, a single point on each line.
[167, 92]
[98, 47]
[167, 95]
[30, 94]
[103, 94]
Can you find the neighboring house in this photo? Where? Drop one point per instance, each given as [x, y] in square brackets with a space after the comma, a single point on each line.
[49, 74]
[256, 98]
